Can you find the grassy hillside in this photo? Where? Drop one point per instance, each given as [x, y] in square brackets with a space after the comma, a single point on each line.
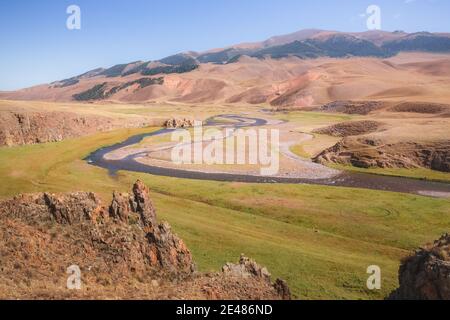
[320, 239]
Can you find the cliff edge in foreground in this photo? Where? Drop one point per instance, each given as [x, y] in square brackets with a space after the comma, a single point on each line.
[121, 252]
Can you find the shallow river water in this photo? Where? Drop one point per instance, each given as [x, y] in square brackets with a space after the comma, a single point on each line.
[345, 179]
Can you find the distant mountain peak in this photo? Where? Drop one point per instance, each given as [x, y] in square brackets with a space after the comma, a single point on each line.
[305, 44]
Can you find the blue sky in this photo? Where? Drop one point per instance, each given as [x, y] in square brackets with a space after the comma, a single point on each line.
[36, 46]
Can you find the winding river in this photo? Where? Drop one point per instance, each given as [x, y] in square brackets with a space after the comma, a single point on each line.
[344, 179]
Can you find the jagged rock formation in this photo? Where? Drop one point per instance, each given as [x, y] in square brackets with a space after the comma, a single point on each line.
[366, 152]
[166, 249]
[426, 274]
[179, 123]
[121, 251]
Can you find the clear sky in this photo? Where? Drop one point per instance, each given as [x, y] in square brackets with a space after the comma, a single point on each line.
[36, 47]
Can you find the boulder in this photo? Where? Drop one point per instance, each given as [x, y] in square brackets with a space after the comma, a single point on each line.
[426, 274]
[247, 268]
[179, 123]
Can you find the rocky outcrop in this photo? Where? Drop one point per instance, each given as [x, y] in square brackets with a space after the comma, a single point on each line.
[426, 274]
[421, 107]
[72, 208]
[351, 128]
[165, 248]
[179, 123]
[366, 152]
[24, 127]
[158, 249]
[124, 206]
[367, 107]
[247, 268]
[352, 107]
[121, 250]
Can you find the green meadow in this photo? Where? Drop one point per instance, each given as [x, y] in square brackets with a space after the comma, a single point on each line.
[319, 239]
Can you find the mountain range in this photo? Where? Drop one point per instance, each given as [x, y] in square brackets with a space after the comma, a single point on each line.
[278, 70]
[303, 44]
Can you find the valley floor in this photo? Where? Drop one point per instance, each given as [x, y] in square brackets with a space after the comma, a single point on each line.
[319, 239]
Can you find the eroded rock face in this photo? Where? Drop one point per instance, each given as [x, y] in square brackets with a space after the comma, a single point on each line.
[372, 153]
[137, 205]
[64, 209]
[121, 250]
[18, 128]
[158, 249]
[74, 208]
[120, 207]
[142, 204]
[165, 248]
[426, 274]
[169, 251]
[25, 127]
